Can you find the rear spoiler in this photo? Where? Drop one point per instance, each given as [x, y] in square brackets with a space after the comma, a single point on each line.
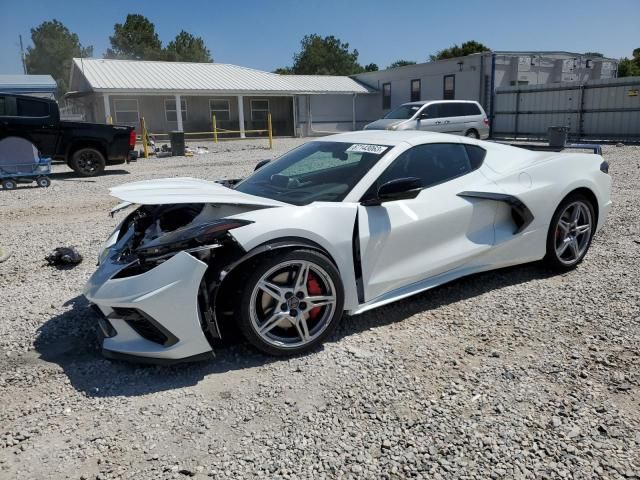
[597, 149]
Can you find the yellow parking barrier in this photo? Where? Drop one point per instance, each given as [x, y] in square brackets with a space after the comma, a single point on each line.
[145, 138]
[217, 131]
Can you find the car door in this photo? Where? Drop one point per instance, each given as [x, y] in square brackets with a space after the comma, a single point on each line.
[30, 118]
[429, 119]
[406, 241]
[452, 117]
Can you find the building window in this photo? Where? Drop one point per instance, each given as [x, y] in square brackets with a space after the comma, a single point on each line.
[220, 108]
[386, 96]
[126, 110]
[415, 90]
[520, 82]
[170, 109]
[259, 110]
[449, 87]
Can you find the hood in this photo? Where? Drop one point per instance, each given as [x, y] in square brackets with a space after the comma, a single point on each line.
[186, 190]
[384, 123]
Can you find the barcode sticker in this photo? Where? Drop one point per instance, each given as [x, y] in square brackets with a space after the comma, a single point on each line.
[367, 148]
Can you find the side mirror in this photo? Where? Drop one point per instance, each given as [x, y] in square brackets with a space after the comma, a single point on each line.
[423, 116]
[398, 189]
[261, 164]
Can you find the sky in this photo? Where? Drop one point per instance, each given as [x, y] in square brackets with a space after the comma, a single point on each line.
[265, 34]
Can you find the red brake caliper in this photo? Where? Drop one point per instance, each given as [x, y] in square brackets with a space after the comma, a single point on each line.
[313, 287]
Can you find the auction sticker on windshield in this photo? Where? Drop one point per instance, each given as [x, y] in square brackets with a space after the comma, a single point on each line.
[367, 148]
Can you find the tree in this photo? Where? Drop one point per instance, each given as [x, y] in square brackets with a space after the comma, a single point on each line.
[467, 48]
[136, 39]
[372, 67]
[325, 56]
[630, 67]
[54, 47]
[401, 63]
[187, 48]
[593, 54]
[283, 71]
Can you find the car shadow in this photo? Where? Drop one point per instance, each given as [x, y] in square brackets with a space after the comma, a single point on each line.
[71, 340]
[71, 176]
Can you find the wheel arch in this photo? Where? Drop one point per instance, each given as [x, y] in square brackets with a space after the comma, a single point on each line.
[233, 273]
[86, 143]
[278, 244]
[591, 196]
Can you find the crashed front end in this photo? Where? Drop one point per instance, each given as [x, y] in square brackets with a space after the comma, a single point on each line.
[155, 279]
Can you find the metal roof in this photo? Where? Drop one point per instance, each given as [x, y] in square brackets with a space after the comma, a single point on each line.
[27, 84]
[137, 76]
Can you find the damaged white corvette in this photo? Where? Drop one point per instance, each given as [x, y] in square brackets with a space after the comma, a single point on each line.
[344, 223]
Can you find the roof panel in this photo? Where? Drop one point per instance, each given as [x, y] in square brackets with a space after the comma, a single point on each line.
[163, 77]
[27, 83]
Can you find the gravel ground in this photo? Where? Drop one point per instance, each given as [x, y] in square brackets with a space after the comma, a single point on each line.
[517, 373]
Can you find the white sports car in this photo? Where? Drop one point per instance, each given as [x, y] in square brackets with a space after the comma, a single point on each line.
[344, 223]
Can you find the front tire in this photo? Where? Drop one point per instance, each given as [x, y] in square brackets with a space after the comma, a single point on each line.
[291, 302]
[87, 162]
[570, 232]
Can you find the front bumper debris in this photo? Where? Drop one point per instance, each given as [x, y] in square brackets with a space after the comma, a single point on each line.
[154, 315]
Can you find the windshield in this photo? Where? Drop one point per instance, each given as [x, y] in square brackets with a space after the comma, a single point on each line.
[314, 172]
[403, 112]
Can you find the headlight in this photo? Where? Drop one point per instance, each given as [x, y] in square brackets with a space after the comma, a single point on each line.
[106, 246]
[190, 238]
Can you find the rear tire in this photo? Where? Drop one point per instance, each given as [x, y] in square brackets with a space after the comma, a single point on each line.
[9, 184]
[43, 182]
[87, 162]
[570, 232]
[472, 134]
[291, 302]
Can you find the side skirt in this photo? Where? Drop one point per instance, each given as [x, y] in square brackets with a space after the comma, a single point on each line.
[427, 284]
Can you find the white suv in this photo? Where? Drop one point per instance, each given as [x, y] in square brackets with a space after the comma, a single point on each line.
[458, 117]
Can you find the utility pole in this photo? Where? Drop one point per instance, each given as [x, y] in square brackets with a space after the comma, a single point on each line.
[24, 64]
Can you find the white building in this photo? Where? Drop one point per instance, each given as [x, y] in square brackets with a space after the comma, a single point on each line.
[302, 105]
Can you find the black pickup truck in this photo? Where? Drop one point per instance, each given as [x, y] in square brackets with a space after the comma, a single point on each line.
[85, 147]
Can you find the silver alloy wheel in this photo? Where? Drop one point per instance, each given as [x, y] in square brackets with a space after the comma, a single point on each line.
[283, 312]
[472, 134]
[573, 233]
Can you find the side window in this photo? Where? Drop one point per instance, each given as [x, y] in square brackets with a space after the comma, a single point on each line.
[432, 163]
[8, 106]
[433, 110]
[32, 108]
[476, 155]
[449, 110]
[471, 109]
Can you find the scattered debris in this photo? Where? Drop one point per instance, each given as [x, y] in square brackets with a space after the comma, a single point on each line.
[64, 256]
